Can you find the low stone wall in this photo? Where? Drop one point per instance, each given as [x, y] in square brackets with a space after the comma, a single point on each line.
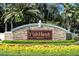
[21, 34]
[59, 34]
[8, 36]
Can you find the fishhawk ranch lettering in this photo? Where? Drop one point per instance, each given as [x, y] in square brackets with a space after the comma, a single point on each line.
[40, 34]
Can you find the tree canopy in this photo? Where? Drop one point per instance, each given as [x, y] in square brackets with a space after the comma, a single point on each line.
[60, 14]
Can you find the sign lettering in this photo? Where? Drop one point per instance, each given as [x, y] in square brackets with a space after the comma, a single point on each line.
[40, 34]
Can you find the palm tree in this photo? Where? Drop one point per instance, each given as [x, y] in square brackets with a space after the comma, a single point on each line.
[1, 21]
[70, 16]
[19, 10]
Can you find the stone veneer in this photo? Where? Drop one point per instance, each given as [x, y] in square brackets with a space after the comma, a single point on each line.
[21, 34]
[8, 36]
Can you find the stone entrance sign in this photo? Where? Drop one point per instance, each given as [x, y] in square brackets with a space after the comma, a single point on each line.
[33, 32]
[39, 34]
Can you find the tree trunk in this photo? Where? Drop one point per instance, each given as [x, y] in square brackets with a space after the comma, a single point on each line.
[5, 26]
[11, 26]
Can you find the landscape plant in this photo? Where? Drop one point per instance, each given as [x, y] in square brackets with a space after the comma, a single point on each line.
[38, 50]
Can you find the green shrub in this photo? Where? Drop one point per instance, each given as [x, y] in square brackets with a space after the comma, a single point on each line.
[76, 38]
[76, 43]
[39, 41]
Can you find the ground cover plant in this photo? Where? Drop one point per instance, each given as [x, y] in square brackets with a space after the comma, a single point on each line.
[38, 48]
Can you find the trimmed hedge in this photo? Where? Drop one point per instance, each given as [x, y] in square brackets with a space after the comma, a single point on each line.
[37, 41]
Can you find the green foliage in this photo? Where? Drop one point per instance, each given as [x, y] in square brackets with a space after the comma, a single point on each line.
[58, 42]
[76, 43]
[70, 16]
[17, 11]
[38, 50]
[18, 53]
[30, 13]
[76, 38]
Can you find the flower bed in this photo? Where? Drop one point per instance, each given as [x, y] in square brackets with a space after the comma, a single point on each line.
[38, 50]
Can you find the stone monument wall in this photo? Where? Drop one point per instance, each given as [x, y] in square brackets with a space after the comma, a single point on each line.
[22, 33]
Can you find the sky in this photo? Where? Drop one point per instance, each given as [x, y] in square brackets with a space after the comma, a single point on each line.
[60, 8]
